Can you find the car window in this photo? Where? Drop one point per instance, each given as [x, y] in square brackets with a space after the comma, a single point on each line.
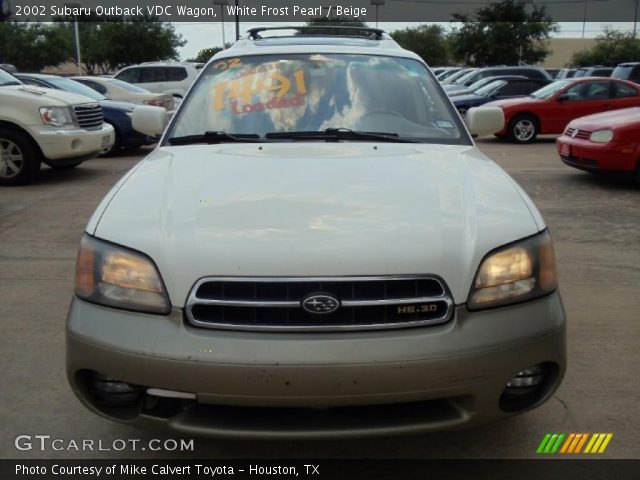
[551, 89]
[623, 91]
[313, 92]
[76, 87]
[96, 86]
[515, 88]
[34, 82]
[8, 79]
[130, 75]
[602, 72]
[176, 74]
[490, 88]
[588, 91]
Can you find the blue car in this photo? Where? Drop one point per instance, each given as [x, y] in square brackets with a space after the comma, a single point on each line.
[497, 90]
[117, 114]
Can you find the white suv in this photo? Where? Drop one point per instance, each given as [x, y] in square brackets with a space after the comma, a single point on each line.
[170, 78]
[38, 125]
[315, 248]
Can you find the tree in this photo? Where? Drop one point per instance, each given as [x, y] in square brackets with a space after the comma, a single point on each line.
[428, 41]
[503, 33]
[33, 46]
[109, 43]
[612, 47]
[205, 54]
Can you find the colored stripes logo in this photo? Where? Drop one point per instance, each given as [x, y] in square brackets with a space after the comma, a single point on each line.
[574, 443]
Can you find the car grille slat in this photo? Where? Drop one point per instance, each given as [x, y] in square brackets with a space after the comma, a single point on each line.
[275, 304]
[89, 116]
[577, 133]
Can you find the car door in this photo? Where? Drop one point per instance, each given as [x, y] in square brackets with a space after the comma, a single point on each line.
[624, 96]
[579, 100]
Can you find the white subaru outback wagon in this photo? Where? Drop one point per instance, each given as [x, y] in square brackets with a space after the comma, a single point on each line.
[315, 248]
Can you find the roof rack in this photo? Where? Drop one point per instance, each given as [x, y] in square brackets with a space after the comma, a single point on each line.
[366, 32]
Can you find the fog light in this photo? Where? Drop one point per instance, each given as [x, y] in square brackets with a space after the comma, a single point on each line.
[113, 392]
[527, 378]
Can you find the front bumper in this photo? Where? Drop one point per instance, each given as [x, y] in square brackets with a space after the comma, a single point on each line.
[590, 156]
[319, 384]
[66, 143]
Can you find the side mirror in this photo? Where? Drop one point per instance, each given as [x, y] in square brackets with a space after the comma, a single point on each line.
[484, 120]
[150, 120]
[563, 97]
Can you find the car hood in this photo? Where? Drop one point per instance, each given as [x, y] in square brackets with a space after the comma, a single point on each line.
[299, 209]
[626, 117]
[49, 97]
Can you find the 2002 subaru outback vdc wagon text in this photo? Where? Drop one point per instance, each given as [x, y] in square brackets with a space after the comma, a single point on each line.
[315, 248]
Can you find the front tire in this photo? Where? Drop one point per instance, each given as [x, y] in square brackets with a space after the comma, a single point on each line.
[19, 158]
[523, 128]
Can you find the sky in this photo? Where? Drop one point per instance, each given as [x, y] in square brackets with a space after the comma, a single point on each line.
[201, 35]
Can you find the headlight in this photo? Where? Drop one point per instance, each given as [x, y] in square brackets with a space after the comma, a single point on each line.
[601, 136]
[115, 276]
[57, 116]
[520, 271]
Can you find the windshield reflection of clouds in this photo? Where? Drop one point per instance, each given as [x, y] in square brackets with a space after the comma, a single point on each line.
[315, 92]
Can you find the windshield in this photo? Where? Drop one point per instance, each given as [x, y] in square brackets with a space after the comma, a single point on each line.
[550, 90]
[490, 88]
[8, 79]
[72, 86]
[315, 92]
[127, 86]
[465, 79]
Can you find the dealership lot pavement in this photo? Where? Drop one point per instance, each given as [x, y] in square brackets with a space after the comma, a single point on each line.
[596, 227]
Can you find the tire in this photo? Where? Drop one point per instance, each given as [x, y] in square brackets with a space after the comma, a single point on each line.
[19, 158]
[636, 174]
[523, 128]
[462, 110]
[117, 144]
[65, 166]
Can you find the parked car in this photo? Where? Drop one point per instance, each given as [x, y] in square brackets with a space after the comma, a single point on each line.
[497, 90]
[169, 78]
[627, 71]
[121, 91]
[565, 73]
[551, 108]
[457, 75]
[598, 71]
[481, 83]
[39, 125]
[553, 72]
[116, 114]
[529, 72]
[448, 72]
[604, 142]
[341, 252]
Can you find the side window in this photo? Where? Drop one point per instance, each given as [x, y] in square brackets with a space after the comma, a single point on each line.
[176, 74]
[96, 86]
[635, 74]
[623, 91]
[153, 75]
[131, 75]
[515, 88]
[597, 90]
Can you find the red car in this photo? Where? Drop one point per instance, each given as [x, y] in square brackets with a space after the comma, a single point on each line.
[551, 108]
[603, 142]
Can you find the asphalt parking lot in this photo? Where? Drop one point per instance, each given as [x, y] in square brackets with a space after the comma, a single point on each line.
[596, 227]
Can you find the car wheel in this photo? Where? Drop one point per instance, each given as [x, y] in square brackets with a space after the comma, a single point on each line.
[19, 158]
[523, 129]
[117, 144]
[636, 174]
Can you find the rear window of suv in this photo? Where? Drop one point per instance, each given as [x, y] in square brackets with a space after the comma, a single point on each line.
[314, 92]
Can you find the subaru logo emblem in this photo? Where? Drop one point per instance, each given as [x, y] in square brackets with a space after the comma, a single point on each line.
[320, 304]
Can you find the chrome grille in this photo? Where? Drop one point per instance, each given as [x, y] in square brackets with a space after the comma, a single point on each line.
[275, 304]
[89, 116]
[575, 133]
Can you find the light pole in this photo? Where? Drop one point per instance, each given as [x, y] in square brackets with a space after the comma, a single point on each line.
[222, 3]
[584, 17]
[237, 22]
[635, 18]
[77, 35]
[377, 3]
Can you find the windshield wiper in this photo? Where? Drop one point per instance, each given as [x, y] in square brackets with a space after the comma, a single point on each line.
[215, 137]
[9, 84]
[337, 134]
